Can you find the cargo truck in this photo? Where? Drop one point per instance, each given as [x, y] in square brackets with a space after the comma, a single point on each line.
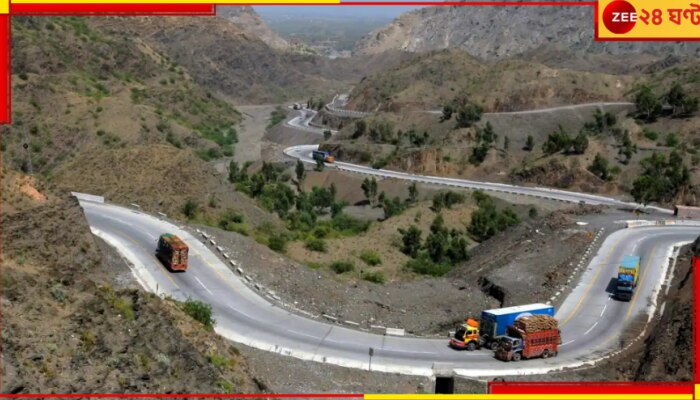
[323, 156]
[172, 252]
[493, 325]
[530, 337]
[627, 277]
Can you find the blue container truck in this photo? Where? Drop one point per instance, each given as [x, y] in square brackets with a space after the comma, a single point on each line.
[494, 323]
[627, 277]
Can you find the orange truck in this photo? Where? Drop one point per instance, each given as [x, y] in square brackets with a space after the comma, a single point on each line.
[466, 336]
[172, 252]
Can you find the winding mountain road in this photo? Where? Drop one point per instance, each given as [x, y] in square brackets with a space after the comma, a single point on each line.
[592, 323]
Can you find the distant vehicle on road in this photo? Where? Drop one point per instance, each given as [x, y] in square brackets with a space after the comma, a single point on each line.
[297, 106]
[172, 252]
[323, 156]
[493, 325]
[627, 277]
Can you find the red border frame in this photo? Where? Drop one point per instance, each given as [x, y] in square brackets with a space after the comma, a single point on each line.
[210, 10]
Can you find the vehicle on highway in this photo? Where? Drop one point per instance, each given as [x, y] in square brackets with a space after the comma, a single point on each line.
[627, 277]
[493, 325]
[323, 156]
[530, 337]
[172, 252]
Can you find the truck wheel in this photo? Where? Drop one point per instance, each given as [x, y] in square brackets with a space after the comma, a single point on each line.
[545, 353]
[471, 346]
[517, 357]
[494, 346]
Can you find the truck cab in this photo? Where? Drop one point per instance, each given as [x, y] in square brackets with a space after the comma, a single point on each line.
[466, 336]
[512, 347]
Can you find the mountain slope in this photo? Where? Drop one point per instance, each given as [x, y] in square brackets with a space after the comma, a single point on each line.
[429, 80]
[498, 32]
[250, 21]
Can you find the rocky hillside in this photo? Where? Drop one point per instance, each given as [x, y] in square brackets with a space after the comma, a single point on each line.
[428, 81]
[70, 325]
[493, 33]
[246, 18]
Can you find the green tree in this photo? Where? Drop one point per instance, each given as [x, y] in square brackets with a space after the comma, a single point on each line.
[683, 105]
[506, 143]
[234, 172]
[190, 209]
[369, 188]
[648, 105]
[300, 171]
[320, 198]
[661, 179]
[411, 240]
[580, 143]
[557, 141]
[529, 143]
[599, 167]
[360, 128]
[488, 136]
[468, 114]
[627, 148]
[412, 193]
[446, 113]
[327, 134]
[320, 165]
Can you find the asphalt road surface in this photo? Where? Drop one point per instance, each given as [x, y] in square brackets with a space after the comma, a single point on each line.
[591, 322]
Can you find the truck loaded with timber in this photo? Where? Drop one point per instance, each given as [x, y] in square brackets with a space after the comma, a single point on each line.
[530, 337]
[172, 252]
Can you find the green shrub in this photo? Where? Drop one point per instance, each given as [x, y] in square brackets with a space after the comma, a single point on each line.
[190, 208]
[374, 277]
[651, 135]
[230, 216]
[277, 243]
[533, 212]
[370, 257]
[220, 362]
[342, 266]
[199, 311]
[316, 245]
[672, 140]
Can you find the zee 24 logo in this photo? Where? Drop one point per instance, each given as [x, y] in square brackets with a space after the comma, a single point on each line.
[620, 16]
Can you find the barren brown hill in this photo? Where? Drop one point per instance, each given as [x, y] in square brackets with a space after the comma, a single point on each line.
[158, 178]
[70, 326]
[429, 80]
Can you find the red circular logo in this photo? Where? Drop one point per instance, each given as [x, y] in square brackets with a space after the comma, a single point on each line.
[619, 17]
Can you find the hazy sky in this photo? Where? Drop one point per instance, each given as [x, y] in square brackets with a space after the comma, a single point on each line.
[386, 12]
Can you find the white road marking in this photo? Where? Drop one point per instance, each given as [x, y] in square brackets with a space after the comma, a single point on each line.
[205, 288]
[591, 328]
[564, 344]
[303, 334]
[410, 352]
[602, 312]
